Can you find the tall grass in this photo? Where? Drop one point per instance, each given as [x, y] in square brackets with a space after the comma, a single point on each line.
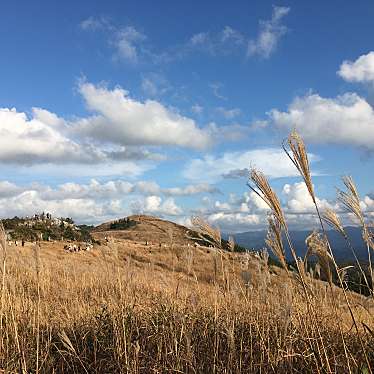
[124, 308]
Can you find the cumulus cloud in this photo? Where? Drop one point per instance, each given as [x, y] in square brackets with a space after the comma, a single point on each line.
[126, 121]
[40, 140]
[346, 119]
[236, 222]
[191, 190]
[361, 70]
[96, 201]
[82, 210]
[155, 205]
[248, 212]
[152, 188]
[8, 189]
[271, 161]
[299, 201]
[271, 31]
[44, 138]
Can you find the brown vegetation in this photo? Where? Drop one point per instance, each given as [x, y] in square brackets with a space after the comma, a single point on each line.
[126, 307]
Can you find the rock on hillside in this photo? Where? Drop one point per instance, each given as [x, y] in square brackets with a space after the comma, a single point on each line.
[142, 228]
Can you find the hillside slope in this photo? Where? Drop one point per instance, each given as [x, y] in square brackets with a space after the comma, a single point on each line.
[142, 228]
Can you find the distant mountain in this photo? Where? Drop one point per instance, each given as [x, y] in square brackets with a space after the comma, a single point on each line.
[256, 240]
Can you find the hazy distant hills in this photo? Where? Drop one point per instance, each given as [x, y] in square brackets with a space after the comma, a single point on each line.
[256, 240]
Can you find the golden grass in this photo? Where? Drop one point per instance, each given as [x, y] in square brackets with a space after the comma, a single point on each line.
[131, 312]
[131, 308]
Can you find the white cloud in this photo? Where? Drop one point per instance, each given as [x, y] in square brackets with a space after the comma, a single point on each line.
[236, 222]
[298, 199]
[93, 190]
[271, 161]
[232, 36]
[249, 212]
[202, 38]
[128, 44]
[346, 119]
[8, 189]
[45, 139]
[220, 43]
[191, 190]
[154, 84]
[82, 210]
[271, 32]
[229, 113]
[125, 121]
[361, 70]
[28, 141]
[155, 205]
[95, 201]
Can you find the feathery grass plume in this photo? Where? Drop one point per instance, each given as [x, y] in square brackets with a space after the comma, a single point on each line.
[368, 237]
[266, 193]
[299, 158]
[231, 243]
[274, 240]
[333, 220]
[206, 232]
[351, 199]
[319, 247]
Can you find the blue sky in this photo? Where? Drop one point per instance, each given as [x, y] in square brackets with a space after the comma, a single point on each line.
[120, 107]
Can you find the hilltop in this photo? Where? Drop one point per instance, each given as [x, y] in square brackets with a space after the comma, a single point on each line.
[142, 228]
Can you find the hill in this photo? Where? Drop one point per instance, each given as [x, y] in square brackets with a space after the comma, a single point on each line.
[125, 305]
[142, 228]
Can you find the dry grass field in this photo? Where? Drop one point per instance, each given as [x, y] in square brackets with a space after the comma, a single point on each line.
[130, 308]
[127, 307]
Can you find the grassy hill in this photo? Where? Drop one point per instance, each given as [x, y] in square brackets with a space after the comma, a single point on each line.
[127, 307]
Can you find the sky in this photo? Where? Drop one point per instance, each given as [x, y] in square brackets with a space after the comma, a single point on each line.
[114, 108]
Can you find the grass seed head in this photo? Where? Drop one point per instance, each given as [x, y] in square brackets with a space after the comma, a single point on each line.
[299, 157]
[318, 246]
[351, 199]
[333, 220]
[205, 230]
[274, 240]
[262, 188]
